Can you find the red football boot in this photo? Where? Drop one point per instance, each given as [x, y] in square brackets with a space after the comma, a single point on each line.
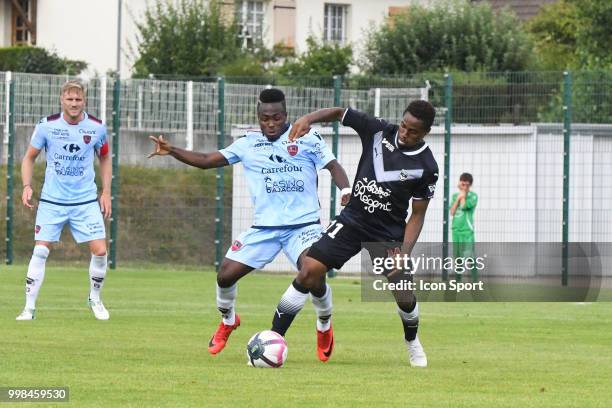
[325, 344]
[219, 339]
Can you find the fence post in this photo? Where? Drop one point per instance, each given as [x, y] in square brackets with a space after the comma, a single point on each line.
[115, 178]
[103, 82]
[9, 172]
[567, 133]
[448, 120]
[220, 172]
[332, 206]
[189, 138]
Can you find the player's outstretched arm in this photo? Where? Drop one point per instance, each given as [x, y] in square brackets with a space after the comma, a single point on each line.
[414, 225]
[195, 159]
[27, 167]
[302, 125]
[341, 179]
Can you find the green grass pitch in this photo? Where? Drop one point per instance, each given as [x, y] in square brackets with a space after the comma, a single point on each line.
[153, 351]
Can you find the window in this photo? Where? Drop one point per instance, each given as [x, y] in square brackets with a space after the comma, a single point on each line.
[250, 17]
[335, 22]
[23, 13]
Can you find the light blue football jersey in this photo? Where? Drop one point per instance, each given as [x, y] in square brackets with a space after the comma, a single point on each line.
[70, 151]
[282, 176]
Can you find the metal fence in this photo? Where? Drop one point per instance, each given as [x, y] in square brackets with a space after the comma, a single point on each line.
[539, 145]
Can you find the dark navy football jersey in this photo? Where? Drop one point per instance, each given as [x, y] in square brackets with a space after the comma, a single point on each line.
[388, 177]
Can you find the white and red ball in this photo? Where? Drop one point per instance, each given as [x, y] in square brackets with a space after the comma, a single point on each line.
[266, 349]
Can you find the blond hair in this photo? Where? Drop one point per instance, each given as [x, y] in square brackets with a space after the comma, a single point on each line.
[73, 84]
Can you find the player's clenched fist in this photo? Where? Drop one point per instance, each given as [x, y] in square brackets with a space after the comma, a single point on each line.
[162, 146]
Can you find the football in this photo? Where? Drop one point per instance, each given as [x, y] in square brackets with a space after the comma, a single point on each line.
[266, 349]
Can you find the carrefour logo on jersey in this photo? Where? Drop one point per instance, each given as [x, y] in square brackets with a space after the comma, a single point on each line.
[288, 168]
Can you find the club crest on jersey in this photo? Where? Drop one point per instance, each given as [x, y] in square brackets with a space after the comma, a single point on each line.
[86, 139]
[293, 149]
[403, 176]
[236, 245]
[37, 229]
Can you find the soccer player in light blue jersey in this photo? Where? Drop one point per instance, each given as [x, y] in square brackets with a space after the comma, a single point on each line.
[282, 178]
[71, 139]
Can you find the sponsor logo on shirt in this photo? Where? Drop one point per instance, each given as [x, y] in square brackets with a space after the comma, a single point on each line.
[67, 170]
[276, 158]
[87, 132]
[287, 168]
[71, 148]
[58, 156]
[388, 145]
[284, 185]
[372, 195]
[60, 133]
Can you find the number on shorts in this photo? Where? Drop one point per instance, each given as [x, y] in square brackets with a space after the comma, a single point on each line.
[336, 226]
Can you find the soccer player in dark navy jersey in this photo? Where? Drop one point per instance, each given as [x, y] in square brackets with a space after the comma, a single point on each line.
[396, 168]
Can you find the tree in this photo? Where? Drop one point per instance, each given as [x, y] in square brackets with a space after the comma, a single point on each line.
[450, 35]
[38, 60]
[188, 38]
[320, 59]
[573, 34]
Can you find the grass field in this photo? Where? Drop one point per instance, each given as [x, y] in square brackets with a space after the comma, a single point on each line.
[153, 350]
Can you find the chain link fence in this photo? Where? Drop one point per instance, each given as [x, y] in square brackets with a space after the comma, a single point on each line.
[509, 130]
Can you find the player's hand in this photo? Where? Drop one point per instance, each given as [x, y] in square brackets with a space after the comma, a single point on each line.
[26, 196]
[162, 146]
[106, 204]
[300, 128]
[345, 198]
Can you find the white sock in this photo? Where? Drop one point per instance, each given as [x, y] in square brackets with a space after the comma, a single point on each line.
[226, 299]
[97, 274]
[36, 275]
[323, 306]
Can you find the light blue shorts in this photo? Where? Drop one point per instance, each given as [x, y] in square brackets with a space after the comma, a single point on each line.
[258, 247]
[85, 220]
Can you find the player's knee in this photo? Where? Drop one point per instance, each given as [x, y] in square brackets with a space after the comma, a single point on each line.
[225, 278]
[98, 252]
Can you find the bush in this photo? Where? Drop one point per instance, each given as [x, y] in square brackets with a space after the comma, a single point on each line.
[38, 61]
[321, 59]
[191, 38]
[453, 35]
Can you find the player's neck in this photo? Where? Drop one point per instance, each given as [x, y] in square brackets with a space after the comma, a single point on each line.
[275, 138]
[73, 120]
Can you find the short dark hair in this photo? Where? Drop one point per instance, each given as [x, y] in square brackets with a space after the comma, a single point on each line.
[272, 95]
[466, 177]
[423, 111]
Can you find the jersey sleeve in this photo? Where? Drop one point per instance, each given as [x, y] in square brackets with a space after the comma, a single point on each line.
[471, 201]
[319, 151]
[365, 125]
[102, 144]
[39, 136]
[235, 152]
[427, 186]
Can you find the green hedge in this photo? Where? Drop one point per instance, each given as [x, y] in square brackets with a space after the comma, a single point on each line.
[37, 60]
[165, 216]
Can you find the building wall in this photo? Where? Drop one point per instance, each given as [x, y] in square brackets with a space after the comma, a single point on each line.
[524, 9]
[362, 15]
[89, 31]
[5, 23]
